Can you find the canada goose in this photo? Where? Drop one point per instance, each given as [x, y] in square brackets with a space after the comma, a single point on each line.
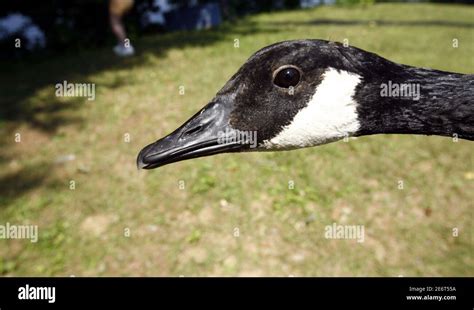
[303, 93]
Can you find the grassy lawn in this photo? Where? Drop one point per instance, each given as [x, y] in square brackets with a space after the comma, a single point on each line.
[230, 214]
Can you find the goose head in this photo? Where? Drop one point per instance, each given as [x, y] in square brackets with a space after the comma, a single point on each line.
[290, 95]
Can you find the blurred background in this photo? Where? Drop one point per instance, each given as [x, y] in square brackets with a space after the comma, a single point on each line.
[67, 163]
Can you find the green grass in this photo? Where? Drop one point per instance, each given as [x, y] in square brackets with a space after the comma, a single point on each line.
[236, 214]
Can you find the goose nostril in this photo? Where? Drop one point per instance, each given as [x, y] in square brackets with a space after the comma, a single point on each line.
[193, 130]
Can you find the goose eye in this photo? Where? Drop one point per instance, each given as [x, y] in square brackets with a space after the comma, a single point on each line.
[287, 77]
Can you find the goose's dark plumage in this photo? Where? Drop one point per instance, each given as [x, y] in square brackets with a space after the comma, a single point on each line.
[303, 93]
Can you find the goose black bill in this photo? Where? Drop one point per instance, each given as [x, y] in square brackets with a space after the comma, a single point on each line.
[203, 134]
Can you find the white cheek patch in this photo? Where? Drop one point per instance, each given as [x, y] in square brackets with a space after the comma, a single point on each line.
[330, 114]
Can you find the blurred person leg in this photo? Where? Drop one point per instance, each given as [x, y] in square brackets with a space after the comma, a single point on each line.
[117, 9]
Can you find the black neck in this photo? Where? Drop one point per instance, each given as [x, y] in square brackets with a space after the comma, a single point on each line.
[438, 103]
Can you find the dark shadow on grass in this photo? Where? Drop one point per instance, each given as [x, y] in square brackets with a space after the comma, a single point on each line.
[45, 114]
[18, 183]
[397, 23]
